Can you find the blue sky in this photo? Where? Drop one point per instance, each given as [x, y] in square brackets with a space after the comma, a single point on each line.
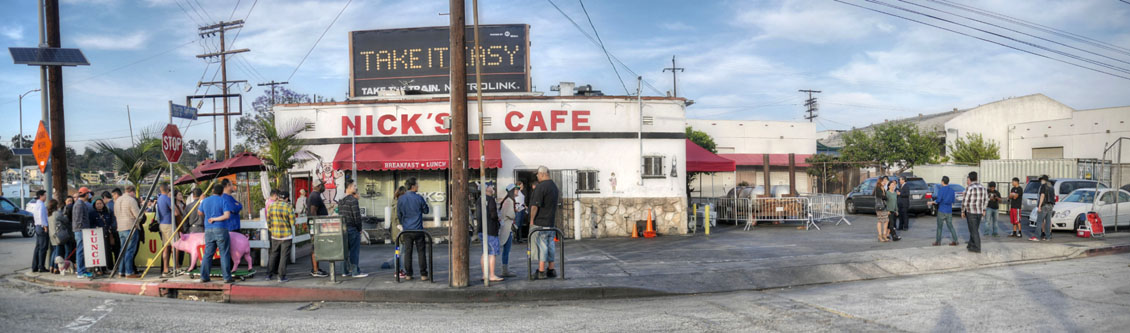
[743, 59]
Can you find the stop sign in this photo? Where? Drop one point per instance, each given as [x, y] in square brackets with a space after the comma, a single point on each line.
[172, 143]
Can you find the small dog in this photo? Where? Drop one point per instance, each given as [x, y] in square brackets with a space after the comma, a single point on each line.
[65, 266]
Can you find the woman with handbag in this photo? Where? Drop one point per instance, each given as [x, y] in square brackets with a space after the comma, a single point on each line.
[61, 235]
[881, 211]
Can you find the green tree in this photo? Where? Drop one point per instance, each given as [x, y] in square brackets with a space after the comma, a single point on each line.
[248, 126]
[703, 140]
[824, 167]
[893, 145]
[138, 161]
[974, 148]
[281, 150]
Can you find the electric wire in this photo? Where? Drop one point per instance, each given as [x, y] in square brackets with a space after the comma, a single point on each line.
[602, 48]
[594, 41]
[300, 62]
[1035, 26]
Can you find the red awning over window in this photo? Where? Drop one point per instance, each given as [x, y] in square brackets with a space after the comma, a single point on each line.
[701, 160]
[427, 155]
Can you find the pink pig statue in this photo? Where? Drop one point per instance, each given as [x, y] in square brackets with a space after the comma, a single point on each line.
[240, 248]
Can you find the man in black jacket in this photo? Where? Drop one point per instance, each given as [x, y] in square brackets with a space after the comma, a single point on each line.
[904, 204]
[351, 216]
[315, 206]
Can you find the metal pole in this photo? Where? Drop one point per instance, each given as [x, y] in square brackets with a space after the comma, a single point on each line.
[477, 59]
[460, 245]
[43, 99]
[172, 197]
[353, 143]
[1115, 185]
[639, 134]
[129, 119]
[23, 179]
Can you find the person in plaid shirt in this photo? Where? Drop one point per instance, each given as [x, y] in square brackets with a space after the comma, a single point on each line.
[280, 222]
[973, 209]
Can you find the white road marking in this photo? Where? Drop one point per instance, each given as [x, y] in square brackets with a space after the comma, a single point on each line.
[84, 322]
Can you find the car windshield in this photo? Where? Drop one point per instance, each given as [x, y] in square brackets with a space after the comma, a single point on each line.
[1080, 196]
[957, 188]
[1032, 187]
[1068, 187]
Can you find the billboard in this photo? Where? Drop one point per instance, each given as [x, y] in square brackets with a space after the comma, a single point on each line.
[418, 60]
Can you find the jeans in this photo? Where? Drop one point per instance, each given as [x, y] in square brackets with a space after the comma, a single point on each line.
[280, 256]
[990, 221]
[1044, 221]
[42, 242]
[522, 219]
[414, 241]
[904, 214]
[216, 238]
[125, 263]
[80, 261]
[506, 250]
[353, 252]
[974, 221]
[544, 247]
[61, 250]
[947, 218]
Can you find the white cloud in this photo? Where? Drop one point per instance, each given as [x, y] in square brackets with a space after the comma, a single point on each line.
[135, 41]
[677, 26]
[15, 32]
[809, 22]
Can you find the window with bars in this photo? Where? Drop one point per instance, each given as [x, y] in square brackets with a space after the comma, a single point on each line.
[653, 167]
[587, 181]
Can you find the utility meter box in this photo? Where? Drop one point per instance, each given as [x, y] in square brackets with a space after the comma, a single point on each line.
[329, 237]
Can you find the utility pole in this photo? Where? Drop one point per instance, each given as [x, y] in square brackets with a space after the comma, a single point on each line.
[272, 84]
[674, 76]
[55, 99]
[811, 104]
[460, 244]
[211, 30]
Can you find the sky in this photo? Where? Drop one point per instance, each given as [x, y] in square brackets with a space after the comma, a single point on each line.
[743, 59]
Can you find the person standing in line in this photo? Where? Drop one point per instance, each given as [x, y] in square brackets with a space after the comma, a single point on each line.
[80, 219]
[60, 231]
[904, 204]
[992, 209]
[233, 223]
[110, 232]
[315, 206]
[280, 222]
[351, 216]
[521, 212]
[944, 197]
[490, 236]
[165, 223]
[543, 212]
[42, 239]
[126, 211]
[1045, 209]
[216, 210]
[881, 210]
[394, 223]
[300, 203]
[973, 209]
[506, 218]
[1015, 195]
[195, 221]
[410, 210]
[892, 210]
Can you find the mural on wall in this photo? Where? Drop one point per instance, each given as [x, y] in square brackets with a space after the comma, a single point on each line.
[612, 181]
[331, 179]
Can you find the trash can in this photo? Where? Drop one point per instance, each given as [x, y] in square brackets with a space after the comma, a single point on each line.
[329, 240]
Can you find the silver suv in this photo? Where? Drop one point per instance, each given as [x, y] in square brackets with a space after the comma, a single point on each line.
[1062, 187]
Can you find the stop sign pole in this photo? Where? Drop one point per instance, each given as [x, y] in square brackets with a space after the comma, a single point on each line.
[178, 141]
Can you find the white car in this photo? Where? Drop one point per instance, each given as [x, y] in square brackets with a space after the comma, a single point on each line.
[1071, 212]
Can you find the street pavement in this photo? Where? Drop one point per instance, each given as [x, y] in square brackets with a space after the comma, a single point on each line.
[1084, 295]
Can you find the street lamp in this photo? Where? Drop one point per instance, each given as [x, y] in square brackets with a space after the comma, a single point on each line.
[23, 180]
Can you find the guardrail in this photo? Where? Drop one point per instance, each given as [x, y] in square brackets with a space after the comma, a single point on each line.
[530, 243]
[825, 207]
[724, 209]
[431, 260]
[810, 209]
[786, 209]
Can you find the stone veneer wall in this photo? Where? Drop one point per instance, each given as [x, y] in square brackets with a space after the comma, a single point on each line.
[614, 216]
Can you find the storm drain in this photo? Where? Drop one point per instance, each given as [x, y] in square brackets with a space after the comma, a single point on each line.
[201, 295]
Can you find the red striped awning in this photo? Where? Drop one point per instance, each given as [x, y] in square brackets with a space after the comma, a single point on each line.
[425, 155]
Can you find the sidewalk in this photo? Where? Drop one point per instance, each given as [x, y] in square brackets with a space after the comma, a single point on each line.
[729, 260]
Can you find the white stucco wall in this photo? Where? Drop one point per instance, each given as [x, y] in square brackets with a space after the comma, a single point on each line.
[1084, 135]
[992, 120]
[759, 137]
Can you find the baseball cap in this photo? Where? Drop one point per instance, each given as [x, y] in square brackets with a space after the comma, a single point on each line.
[510, 187]
[83, 190]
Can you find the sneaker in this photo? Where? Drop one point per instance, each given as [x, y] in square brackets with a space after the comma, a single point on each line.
[204, 280]
[424, 277]
[936, 244]
[403, 276]
[283, 279]
[549, 274]
[541, 275]
[1033, 238]
[269, 277]
[360, 275]
[953, 243]
[229, 281]
[319, 273]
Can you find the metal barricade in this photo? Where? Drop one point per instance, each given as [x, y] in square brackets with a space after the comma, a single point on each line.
[826, 207]
[786, 209]
[560, 236]
[431, 260]
[724, 209]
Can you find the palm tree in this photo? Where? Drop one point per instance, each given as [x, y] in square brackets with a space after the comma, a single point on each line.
[283, 149]
[138, 161]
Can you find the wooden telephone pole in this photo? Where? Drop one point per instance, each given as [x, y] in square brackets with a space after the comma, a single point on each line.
[55, 99]
[211, 30]
[460, 244]
[674, 76]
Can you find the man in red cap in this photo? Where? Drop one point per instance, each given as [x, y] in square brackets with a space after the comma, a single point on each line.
[80, 219]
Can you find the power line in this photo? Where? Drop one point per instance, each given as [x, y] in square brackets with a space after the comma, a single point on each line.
[1094, 62]
[1031, 25]
[300, 62]
[594, 41]
[602, 48]
[980, 38]
[1016, 31]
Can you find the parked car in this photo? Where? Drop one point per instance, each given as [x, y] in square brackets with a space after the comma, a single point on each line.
[861, 200]
[958, 192]
[1071, 211]
[1062, 187]
[14, 219]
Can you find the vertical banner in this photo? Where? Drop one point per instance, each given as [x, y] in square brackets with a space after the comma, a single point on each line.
[93, 247]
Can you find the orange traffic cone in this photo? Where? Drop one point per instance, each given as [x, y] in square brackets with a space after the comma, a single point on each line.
[635, 231]
[650, 232]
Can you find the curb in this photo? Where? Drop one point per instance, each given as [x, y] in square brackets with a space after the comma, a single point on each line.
[239, 293]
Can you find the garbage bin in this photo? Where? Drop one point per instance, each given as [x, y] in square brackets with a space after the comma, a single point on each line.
[329, 240]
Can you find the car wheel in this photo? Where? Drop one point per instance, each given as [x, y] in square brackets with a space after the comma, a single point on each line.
[28, 230]
[1079, 221]
[851, 207]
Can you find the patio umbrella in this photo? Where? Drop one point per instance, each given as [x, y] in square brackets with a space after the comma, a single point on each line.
[242, 162]
[196, 175]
